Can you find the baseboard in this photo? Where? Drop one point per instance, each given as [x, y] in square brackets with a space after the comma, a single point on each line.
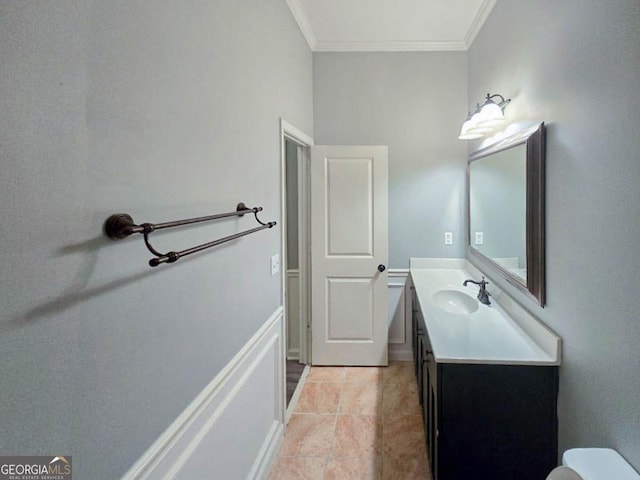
[400, 355]
[211, 437]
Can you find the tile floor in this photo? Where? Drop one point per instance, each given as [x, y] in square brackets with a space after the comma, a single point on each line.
[355, 423]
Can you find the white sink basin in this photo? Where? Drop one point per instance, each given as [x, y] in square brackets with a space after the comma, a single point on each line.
[455, 302]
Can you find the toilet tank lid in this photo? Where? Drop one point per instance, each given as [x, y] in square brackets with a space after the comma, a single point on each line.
[599, 464]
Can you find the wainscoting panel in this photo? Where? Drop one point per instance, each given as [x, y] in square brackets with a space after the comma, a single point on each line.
[399, 316]
[234, 427]
[397, 331]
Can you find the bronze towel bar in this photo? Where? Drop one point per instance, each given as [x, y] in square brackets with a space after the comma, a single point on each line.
[121, 225]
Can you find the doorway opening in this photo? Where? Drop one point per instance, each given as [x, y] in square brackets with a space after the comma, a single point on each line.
[295, 254]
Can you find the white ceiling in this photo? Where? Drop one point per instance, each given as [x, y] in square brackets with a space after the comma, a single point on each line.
[389, 25]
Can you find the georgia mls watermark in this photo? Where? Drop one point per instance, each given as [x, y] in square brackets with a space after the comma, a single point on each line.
[35, 468]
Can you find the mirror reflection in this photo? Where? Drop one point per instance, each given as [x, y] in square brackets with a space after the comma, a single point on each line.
[497, 208]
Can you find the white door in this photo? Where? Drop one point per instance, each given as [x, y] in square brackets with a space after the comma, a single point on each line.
[349, 253]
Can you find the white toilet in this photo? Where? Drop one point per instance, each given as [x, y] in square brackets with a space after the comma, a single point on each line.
[593, 464]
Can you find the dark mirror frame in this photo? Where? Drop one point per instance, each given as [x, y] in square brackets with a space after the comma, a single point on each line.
[534, 138]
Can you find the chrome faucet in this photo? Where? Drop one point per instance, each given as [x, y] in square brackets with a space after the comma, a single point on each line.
[483, 295]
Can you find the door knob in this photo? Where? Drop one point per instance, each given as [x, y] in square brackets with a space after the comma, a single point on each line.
[381, 268]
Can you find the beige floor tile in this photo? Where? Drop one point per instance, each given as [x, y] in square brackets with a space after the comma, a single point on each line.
[361, 399]
[377, 433]
[354, 468]
[399, 373]
[363, 374]
[326, 374]
[356, 436]
[404, 452]
[403, 436]
[407, 468]
[308, 435]
[400, 399]
[298, 468]
[319, 398]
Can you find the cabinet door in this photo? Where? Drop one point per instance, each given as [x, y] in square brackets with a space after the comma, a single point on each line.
[419, 352]
[428, 405]
[433, 415]
[420, 368]
[497, 421]
[414, 329]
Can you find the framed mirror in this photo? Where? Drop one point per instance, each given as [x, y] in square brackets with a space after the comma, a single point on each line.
[506, 210]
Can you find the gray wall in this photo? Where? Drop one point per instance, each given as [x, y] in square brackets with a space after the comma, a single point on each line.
[575, 65]
[164, 110]
[412, 103]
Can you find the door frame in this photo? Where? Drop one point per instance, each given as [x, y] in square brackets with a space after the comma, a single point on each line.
[304, 142]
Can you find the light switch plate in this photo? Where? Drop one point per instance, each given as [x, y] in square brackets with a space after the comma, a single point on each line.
[275, 264]
[448, 238]
[479, 238]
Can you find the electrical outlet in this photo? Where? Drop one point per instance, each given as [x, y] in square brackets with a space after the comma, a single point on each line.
[448, 238]
[479, 238]
[275, 264]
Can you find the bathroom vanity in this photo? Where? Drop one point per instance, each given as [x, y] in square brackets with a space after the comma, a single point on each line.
[487, 377]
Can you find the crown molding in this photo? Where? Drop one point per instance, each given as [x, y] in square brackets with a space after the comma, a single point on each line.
[391, 46]
[303, 23]
[478, 22]
[387, 46]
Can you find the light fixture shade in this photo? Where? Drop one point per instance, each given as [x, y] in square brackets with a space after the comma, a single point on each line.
[490, 116]
[485, 118]
[477, 126]
[467, 132]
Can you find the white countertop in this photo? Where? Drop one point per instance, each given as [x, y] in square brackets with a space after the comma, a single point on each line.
[489, 335]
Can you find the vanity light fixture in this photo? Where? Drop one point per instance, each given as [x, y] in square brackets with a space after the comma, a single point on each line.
[467, 132]
[485, 118]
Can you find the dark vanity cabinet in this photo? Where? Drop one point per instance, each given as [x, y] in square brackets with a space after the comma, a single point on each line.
[417, 342]
[485, 421]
